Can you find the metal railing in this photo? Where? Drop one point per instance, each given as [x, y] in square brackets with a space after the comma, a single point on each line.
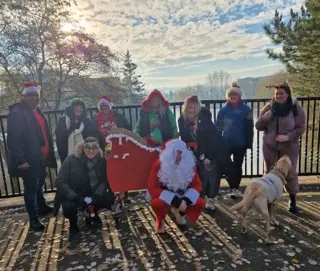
[253, 164]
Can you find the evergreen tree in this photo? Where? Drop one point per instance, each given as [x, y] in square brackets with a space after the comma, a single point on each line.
[299, 38]
[131, 81]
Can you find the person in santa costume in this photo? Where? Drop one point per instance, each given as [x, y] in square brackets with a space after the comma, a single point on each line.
[156, 123]
[105, 120]
[174, 185]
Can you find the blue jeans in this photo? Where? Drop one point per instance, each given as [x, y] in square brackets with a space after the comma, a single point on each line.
[33, 181]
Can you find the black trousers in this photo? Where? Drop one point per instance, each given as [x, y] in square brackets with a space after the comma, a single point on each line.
[238, 157]
[211, 179]
[70, 208]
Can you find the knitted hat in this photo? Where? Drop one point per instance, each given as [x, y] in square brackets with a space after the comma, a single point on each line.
[234, 89]
[104, 100]
[77, 101]
[31, 88]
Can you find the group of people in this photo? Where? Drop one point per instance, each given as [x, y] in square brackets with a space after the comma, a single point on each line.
[187, 176]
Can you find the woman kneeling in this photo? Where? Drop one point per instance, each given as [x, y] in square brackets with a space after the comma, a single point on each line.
[81, 183]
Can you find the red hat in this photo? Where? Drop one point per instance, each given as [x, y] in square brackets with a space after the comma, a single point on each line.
[153, 93]
[31, 88]
[104, 100]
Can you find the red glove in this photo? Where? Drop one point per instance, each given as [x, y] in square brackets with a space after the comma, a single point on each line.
[151, 142]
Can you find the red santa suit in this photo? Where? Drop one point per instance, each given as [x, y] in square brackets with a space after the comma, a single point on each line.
[170, 183]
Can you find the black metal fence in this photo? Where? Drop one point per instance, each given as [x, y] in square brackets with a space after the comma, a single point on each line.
[253, 165]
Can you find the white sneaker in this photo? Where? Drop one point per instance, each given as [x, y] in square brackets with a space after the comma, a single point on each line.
[236, 193]
[181, 220]
[211, 204]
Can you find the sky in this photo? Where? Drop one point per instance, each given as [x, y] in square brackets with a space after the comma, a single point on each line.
[176, 43]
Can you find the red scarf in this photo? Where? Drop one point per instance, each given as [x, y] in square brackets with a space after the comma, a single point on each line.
[105, 123]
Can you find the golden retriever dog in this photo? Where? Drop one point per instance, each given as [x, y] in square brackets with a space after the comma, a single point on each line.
[264, 194]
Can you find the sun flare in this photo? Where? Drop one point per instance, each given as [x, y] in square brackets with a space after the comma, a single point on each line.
[67, 27]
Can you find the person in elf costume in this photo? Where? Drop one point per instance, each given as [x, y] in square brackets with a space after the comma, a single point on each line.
[156, 123]
[72, 128]
[174, 184]
[105, 120]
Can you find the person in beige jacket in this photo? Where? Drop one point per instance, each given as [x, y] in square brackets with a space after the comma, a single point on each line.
[283, 122]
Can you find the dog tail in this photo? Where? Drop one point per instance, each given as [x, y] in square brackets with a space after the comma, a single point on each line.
[246, 202]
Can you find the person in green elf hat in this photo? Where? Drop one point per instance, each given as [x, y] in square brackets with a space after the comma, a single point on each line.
[156, 123]
[72, 128]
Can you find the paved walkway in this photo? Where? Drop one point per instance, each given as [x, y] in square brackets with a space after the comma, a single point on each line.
[130, 242]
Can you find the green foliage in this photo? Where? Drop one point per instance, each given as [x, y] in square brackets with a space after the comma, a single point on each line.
[299, 38]
[131, 81]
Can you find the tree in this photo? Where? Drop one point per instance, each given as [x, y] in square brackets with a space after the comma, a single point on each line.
[218, 82]
[33, 46]
[131, 81]
[299, 38]
[199, 90]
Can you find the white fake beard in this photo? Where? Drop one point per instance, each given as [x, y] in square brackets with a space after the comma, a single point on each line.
[176, 177]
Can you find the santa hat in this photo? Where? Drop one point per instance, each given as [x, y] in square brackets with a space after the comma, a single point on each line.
[104, 100]
[234, 89]
[31, 88]
[174, 144]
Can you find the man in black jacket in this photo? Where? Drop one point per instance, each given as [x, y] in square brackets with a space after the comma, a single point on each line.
[82, 183]
[30, 150]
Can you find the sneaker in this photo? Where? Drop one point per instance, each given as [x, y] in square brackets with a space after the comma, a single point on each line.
[183, 220]
[116, 208]
[180, 219]
[36, 224]
[211, 204]
[235, 194]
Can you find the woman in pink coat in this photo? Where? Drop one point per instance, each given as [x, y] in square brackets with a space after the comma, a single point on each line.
[283, 122]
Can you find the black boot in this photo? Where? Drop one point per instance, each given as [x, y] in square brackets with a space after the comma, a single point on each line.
[96, 220]
[44, 208]
[292, 206]
[73, 225]
[36, 224]
[126, 198]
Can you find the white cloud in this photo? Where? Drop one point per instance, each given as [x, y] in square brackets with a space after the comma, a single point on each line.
[159, 32]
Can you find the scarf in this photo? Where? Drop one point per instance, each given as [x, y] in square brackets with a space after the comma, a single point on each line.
[191, 124]
[75, 136]
[93, 178]
[281, 110]
[105, 123]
